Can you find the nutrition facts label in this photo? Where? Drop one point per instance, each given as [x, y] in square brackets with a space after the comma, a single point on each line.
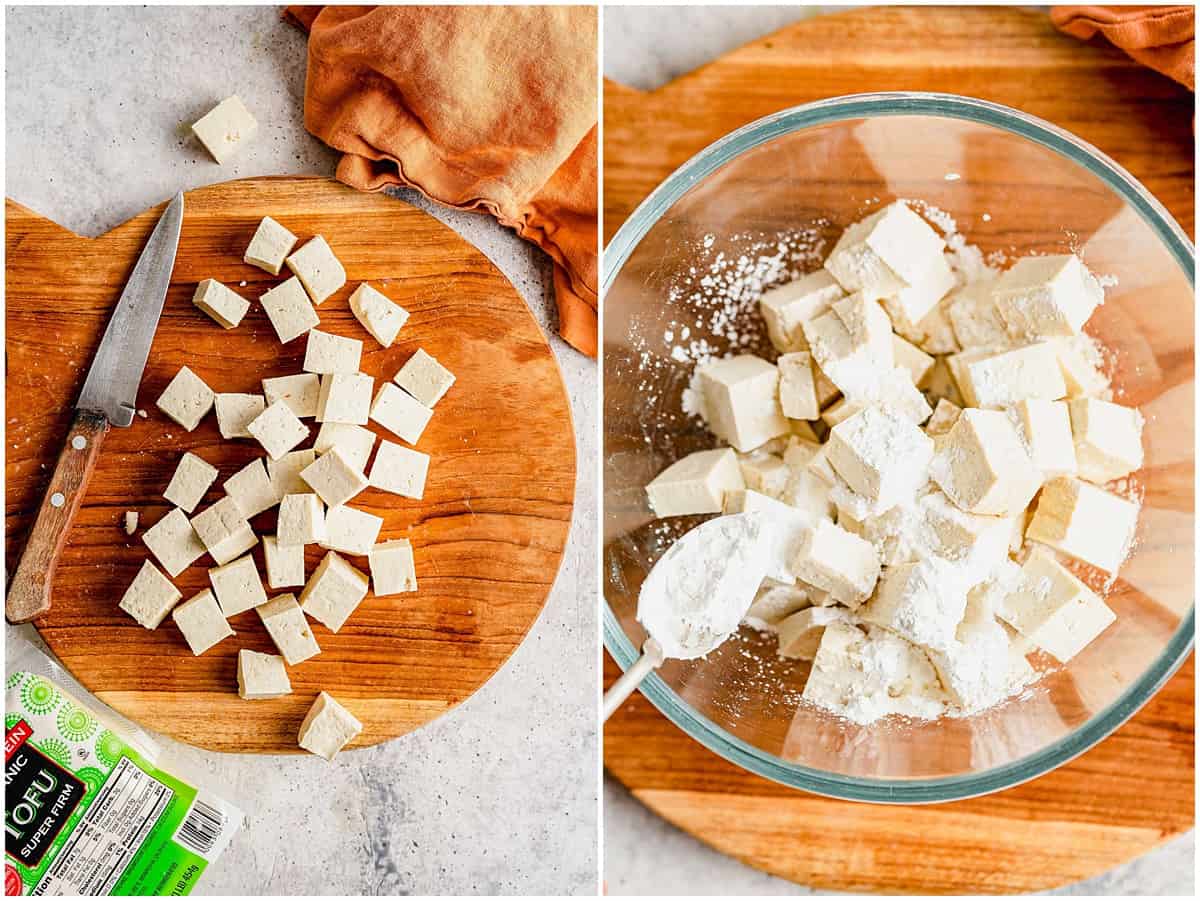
[109, 835]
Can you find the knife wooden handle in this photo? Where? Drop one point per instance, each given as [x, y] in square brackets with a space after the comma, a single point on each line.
[29, 591]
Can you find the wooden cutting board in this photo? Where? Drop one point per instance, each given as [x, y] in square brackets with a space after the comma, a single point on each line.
[1135, 789]
[487, 537]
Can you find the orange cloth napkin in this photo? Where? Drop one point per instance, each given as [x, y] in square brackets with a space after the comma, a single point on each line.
[1161, 37]
[477, 107]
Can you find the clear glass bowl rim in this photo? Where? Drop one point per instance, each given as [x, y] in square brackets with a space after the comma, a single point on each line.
[858, 106]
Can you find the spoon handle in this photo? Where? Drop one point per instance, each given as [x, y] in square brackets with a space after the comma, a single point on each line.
[651, 659]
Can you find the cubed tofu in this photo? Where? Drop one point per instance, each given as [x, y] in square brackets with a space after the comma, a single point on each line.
[868, 326]
[852, 365]
[976, 318]
[328, 727]
[333, 479]
[885, 252]
[224, 305]
[377, 314]
[301, 520]
[400, 413]
[1082, 366]
[225, 129]
[261, 676]
[978, 543]
[334, 591]
[933, 333]
[351, 531]
[837, 561]
[270, 246]
[201, 621]
[237, 586]
[764, 472]
[911, 358]
[982, 465]
[289, 629]
[980, 668]
[318, 269]
[325, 353]
[1042, 297]
[921, 297]
[236, 411]
[186, 399]
[786, 307]
[290, 311]
[251, 489]
[922, 602]
[399, 470]
[150, 597]
[300, 392]
[1053, 609]
[354, 442]
[424, 378]
[1107, 438]
[224, 530]
[1045, 427]
[173, 542]
[392, 567]
[277, 429]
[191, 481]
[695, 484]
[285, 472]
[1084, 521]
[345, 397]
[285, 563]
[945, 414]
[1002, 379]
[800, 633]
[883, 457]
[797, 386]
[741, 397]
[775, 602]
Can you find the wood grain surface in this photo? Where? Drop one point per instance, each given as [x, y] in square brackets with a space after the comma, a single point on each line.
[1133, 790]
[488, 535]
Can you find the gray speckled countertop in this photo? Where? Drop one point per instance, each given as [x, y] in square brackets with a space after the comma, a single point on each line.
[499, 795]
[645, 47]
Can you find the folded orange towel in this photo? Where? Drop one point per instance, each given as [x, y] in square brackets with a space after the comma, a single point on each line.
[1161, 37]
[477, 107]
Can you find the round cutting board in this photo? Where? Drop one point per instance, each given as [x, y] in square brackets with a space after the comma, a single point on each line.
[487, 536]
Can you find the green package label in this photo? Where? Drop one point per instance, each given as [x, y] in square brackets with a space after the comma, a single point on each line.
[86, 813]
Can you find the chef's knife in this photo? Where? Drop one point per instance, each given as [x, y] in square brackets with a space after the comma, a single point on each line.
[109, 398]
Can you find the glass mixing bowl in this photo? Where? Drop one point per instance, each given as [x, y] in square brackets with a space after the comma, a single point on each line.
[762, 203]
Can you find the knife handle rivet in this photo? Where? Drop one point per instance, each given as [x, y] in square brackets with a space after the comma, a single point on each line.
[79, 442]
[57, 499]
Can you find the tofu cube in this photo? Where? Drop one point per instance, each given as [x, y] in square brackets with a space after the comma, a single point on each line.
[288, 628]
[237, 586]
[277, 429]
[1082, 366]
[328, 727]
[300, 392]
[852, 364]
[270, 246]
[1002, 379]
[695, 484]
[345, 397]
[326, 353]
[775, 602]
[945, 414]
[201, 621]
[911, 358]
[290, 311]
[399, 470]
[980, 668]
[868, 326]
[1107, 437]
[797, 386]
[765, 473]
[318, 269]
[1053, 609]
[1045, 427]
[150, 597]
[333, 592]
[399, 412]
[186, 400]
[225, 129]
[983, 467]
[1046, 296]
[837, 561]
[741, 399]
[424, 378]
[922, 602]
[800, 633]
[785, 308]
[350, 531]
[377, 314]
[285, 472]
[251, 489]
[224, 530]
[224, 305]
[885, 252]
[236, 411]
[173, 542]
[261, 676]
[285, 563]
[301, 520]
[392, 568]
[190, 483]
[1084, 521]
[333, 479]
[977, 542]
[883, 457]
[929, 286]
[933, 332]
[354, 442]
[976, 318]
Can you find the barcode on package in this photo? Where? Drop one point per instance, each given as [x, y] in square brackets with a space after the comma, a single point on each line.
[207, 827]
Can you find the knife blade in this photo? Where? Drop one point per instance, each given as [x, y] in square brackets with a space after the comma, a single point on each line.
[108, 398]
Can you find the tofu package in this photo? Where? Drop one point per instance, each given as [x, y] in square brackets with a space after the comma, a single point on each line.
[66, 749]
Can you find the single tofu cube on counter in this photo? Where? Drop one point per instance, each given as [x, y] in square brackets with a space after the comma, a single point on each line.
[333, 592]
[318, 269]
[345, 397]
[399, 470]
[1085, 522]
[837, 561]
[236, 411]
[741, 397]
[787, 307]
[251, 489]
[883, 457]
[223, 304]
[326, 353]
[285, 563]
[150, 597]
[225, 129]
[186, 399]
[301, 520]
[190, 483]
[333, 479]
[797, 386]
[1046, 296]
[224, 530]
[424, 378]
[328, 727]
[400, 413]
[695, 484]
[261, 676]
[173, 542]
[288, 628]
[270, 246]
[378, 314]
[982, 465]
[351, 531]
[290, 311]
[1045, 427]
[392, 567]
[300, 392]
[1107, 438]
[202, 623]
[237, 586]
[277, 429]
[353, 441]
